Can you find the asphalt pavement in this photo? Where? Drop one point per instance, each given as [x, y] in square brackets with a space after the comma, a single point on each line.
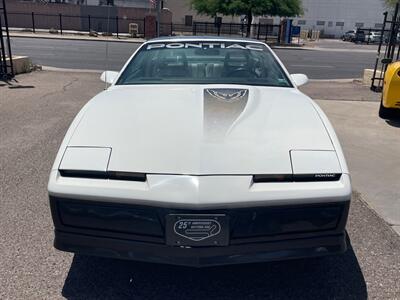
[96, 55]
[33, 120]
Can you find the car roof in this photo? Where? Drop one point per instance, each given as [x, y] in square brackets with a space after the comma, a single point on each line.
[202, 38]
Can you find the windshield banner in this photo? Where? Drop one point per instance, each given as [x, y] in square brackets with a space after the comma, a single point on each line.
[207, 45]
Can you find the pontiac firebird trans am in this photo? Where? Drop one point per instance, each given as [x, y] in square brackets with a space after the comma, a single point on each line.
[201, 152]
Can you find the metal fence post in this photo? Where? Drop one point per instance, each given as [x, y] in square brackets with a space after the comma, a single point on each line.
[3, 62]
[258, 31]
[89, 23]
[61, 29]
[279, 34]
[144, 26]
[33, 23]
[230, 28]
[8, 43]
[116, 22]
[172, 28]
[194, 28]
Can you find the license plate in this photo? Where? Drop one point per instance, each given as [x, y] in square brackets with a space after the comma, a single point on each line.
[197, 230]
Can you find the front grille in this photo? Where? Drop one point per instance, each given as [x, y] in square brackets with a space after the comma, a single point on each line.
[149, 221]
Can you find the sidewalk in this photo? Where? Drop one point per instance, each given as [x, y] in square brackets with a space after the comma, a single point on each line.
[345, 90]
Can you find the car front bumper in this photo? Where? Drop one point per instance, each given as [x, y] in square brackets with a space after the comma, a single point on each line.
[257, 234]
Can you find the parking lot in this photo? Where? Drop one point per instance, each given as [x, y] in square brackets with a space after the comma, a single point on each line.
[34, 116]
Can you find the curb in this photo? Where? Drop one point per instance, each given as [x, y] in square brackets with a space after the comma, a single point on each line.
[55, 69]
[325, 49]
[293, 48]
[339, 80]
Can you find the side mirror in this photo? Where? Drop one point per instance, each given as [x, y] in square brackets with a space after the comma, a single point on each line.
[108, 76]
[299, 79]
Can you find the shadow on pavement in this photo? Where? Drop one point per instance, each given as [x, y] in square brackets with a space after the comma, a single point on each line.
[334, 277]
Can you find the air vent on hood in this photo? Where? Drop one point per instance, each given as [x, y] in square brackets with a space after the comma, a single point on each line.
[112, 175]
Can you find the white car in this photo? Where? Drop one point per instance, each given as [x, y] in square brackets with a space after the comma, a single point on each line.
[373, 37]
[201, 152]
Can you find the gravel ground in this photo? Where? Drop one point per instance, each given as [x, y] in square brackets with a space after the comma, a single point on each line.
[33, 121]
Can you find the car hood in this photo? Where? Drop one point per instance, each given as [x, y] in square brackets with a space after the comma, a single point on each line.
[189, 129]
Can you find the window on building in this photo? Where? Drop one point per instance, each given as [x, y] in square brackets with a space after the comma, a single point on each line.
[301, 22]
[188, 20]
[378, 25]
[320, 23]
[359, 25]
[330, 24]
[340, 24]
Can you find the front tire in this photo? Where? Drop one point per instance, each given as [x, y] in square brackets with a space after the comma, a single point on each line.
[388, 113]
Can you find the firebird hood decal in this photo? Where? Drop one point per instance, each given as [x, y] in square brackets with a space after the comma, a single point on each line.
[221, 109]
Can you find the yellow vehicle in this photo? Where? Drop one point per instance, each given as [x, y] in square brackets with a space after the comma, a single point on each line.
[390, 104]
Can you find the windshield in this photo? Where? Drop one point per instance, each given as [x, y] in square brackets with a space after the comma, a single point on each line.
[204, 63]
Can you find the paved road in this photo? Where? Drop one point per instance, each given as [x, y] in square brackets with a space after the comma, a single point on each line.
[92, 55]
[33, 120]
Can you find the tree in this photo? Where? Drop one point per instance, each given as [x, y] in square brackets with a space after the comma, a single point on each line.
[391, 3]
[249, 8]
